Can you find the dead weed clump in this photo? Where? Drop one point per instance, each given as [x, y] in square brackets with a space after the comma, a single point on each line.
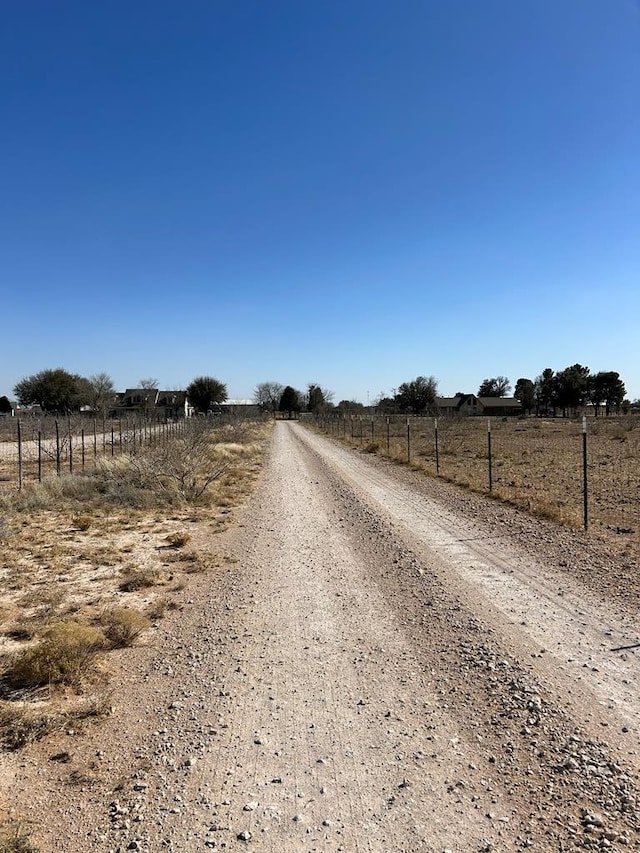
[13, 839]
[157, 609]
[178, 540]
[5, 530]
[122, 626]
[135, 579]
[65, 654]
[22, 723]
[54, 491]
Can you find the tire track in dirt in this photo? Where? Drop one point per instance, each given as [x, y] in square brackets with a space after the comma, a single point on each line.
[341, 687]
[555, 613]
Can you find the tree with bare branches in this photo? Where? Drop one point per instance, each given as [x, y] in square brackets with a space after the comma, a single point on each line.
[267, 395]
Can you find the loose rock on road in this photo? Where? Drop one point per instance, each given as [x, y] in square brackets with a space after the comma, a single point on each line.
[377, 671]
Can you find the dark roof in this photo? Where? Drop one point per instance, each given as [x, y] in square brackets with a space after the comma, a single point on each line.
[151, 394]
[171, 398]
[500, 403]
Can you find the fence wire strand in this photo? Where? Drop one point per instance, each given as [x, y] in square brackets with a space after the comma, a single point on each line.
[536, 464]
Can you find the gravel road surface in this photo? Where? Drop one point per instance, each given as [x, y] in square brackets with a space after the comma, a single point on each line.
[384, 663]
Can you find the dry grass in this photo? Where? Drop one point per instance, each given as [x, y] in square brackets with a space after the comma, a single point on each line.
[22, 723]
[65, 654]
[122, 626]
[94, 559]
[14, 839]
[536, 465]
[178, 540]
[158, 608]
[137, 579]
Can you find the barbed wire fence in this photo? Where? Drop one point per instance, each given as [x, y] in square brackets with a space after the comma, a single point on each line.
[581, 472]
[32, 448]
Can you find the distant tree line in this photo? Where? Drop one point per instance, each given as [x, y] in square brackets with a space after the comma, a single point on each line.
[566, 391]
[419, 396]
[274, 397]
[60, 392]
[572, 389]
[57, 391]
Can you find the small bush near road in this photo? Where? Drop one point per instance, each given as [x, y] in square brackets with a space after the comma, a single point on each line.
[178, 540]
[66, 654]
[135, 579]
[122, 626]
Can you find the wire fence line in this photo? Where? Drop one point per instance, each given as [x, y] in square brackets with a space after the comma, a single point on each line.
[32, 448]
[583, 472]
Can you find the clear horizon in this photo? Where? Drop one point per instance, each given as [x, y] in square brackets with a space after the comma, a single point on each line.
[346, 194]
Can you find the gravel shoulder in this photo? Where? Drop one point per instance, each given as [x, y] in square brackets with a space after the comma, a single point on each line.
[383, 663]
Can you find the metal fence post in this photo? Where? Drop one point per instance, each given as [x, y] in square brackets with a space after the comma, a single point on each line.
[70, 448]
[585, 493]
[408, 443]
[19, 455]
[435, 427]
[489, 454]
[57, 448]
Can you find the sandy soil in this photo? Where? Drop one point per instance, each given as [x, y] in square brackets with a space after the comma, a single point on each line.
[383, 664]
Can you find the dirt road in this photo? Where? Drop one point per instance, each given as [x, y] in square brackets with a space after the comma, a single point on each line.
[384, 664]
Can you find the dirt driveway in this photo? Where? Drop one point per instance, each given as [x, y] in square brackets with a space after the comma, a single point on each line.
[383, 664]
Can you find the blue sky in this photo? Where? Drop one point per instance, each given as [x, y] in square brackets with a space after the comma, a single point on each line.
[336, 191]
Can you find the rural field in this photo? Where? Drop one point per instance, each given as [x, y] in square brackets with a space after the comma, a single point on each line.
[537, 464]
[330, 652]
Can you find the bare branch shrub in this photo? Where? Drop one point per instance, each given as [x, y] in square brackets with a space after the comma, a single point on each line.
[179, 471]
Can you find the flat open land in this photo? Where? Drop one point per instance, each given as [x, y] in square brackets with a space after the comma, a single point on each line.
[380, 662]
[536, 463]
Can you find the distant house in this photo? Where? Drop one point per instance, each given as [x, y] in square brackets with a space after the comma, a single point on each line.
[139, 400]
[247, 408]
[462, 404]
[167, 405]
[173, 405]
[469, 404]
